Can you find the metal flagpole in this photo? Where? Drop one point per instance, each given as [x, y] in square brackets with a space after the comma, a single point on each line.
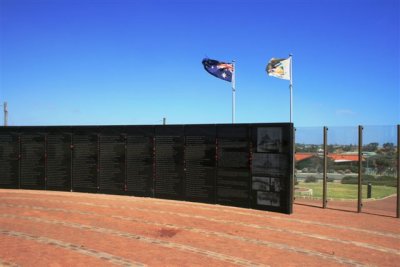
[233, 91]
[291, 88]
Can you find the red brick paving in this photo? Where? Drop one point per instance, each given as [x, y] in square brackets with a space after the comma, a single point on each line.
[385, 206]
[44, 228]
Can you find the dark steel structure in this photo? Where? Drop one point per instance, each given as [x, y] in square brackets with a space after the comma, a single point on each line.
[360, 156]
[325, 169]
[244, 165]
[398, 173]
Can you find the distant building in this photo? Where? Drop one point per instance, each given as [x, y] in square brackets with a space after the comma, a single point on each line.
[337, 158]
[303, 156]
[338, 162]
[340, 158]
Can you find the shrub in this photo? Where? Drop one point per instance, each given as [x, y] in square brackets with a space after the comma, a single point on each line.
[310, 179]
[384, 180]
[330, 180]
[367, 177]
[350, 180]
[374, 180]
[346, 168]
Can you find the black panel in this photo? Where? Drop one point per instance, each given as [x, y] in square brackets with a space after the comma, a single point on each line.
[9, 158]
[169, 143]
[32, 172]
[59, 159]
[233, 173]
[200, 163]
[140, 160]
[85, 159]
[271, 168]
[112, 160]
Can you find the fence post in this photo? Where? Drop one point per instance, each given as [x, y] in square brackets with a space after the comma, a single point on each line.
[360, 144]
[325, 171]
[398, 171]
[293, 167]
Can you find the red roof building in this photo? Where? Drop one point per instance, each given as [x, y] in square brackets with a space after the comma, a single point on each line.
[303, 156]
[335, 157]
[344, 157]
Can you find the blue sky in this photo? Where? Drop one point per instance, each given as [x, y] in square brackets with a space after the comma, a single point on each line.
[135, 62]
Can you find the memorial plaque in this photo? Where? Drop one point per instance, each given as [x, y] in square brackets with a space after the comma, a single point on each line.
[84, 162]
[200, 161]
[271, 168]
[140, 165]
[59, 161]
[112, 163]
[32, 160]
[169, 162]
[9, 160]
[233, 173]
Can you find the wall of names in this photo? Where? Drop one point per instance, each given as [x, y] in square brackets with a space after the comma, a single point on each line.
[244, 165]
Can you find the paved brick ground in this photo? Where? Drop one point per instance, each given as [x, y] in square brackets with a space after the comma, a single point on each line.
[384, 207]
[43, 228]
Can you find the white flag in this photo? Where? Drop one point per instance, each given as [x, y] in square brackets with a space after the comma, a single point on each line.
[279, 68]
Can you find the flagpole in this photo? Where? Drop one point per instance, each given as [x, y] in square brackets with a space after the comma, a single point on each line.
[233, 91]
[291, 88]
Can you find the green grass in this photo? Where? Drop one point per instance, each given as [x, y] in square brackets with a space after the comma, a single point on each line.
[347, 191]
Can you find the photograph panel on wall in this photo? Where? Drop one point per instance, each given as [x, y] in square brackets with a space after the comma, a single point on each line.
[269, 139]
[276, 185]
[270, 164]
[261, 183]
[268, 198]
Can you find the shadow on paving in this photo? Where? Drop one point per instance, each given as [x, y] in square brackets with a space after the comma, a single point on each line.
[382, 207]
[308, 202]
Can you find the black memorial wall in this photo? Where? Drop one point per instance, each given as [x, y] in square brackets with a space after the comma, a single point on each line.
[244, 165]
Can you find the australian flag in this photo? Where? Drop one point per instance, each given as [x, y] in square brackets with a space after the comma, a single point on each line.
[219, 69]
